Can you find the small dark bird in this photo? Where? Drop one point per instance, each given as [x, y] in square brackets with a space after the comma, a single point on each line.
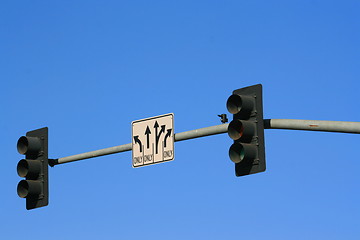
[223, 118]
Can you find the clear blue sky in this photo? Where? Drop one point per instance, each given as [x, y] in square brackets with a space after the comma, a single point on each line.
[87, 69]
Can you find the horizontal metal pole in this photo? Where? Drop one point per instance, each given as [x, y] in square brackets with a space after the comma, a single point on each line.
[202, 132]
[97, 153]
[313, 125]
[293, 124]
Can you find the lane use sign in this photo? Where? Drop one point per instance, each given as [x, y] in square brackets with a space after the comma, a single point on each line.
[153, 140]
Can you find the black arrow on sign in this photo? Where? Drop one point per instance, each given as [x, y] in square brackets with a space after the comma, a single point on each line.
[147, 133]
[168, 134]
[157, 135]
[137, 140]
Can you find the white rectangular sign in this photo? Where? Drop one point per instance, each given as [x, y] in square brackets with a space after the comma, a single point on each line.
[153, 140]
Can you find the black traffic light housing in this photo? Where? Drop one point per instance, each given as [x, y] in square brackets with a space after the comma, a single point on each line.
[34, 168]
[247, 130]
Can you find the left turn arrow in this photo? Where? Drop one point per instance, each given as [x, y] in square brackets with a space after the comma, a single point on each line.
[137, 140]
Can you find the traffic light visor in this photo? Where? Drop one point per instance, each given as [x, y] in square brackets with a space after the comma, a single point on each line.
[240, 104]
[27, 188]
[241, 130]
[235, 129]
[236, 153]
[28, 168]
[28, 145]
[241, 151]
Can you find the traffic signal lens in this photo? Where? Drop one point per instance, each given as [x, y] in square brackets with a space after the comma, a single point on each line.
[22, 168]
[22, 145]
[23, 189]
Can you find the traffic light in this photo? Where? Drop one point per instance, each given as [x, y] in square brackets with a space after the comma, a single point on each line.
[34, 168]
[247, 130]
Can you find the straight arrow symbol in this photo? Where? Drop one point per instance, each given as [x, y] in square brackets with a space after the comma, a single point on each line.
[147, 133]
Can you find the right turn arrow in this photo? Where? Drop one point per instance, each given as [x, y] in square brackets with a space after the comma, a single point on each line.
[168, 134]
